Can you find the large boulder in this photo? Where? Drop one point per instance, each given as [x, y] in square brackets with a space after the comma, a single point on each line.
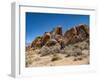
[46, 37]
[76, 34]
[41, 40]
[51, 42]
[83, 29]
[56, 31]
[44, 51]
[37, 42]
[82, 32]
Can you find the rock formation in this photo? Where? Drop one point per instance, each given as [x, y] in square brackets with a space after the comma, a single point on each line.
[69, 47]
[73, 35]
[37, 42]
[46, 37]
[56, 34]
[56, 31]
[76, 34]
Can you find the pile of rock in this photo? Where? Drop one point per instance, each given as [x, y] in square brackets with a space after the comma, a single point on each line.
[71, 43]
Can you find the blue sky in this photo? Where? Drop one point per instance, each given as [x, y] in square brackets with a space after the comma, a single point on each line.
[38, 23]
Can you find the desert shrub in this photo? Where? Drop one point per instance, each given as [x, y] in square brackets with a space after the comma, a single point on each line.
[80, 58]
[67, 55]
[84, 45]
[77, 58]
[62, 51]
[68, 50]
[77, 52]
[71, 51]
[76, 46]
[44, 51]
[28, 62]
[55, 49]
[85, 53]
[55, 57]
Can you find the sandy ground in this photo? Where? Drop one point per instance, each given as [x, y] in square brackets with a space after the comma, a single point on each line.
[35, 60]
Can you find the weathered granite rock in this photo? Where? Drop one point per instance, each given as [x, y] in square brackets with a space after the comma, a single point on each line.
[46, 37]
[37, 42]
[76, 34]
[51, 42]
[47, 50]
[56, 31]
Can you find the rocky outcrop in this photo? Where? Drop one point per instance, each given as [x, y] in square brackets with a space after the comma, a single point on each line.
[37, 42]
[46, 37]
[56, 31]
[71, 36]
[76, 34]
[51, 42]
[77, 49]
[70, 47]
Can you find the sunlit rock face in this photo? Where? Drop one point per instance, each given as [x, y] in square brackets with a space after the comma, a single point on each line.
[56, 31]
[37, 42]
[76, 34]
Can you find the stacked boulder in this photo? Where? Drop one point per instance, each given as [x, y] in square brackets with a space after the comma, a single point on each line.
[58, 42]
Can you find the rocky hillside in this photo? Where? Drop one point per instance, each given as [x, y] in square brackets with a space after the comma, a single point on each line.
[71, 36]
[71, 43]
